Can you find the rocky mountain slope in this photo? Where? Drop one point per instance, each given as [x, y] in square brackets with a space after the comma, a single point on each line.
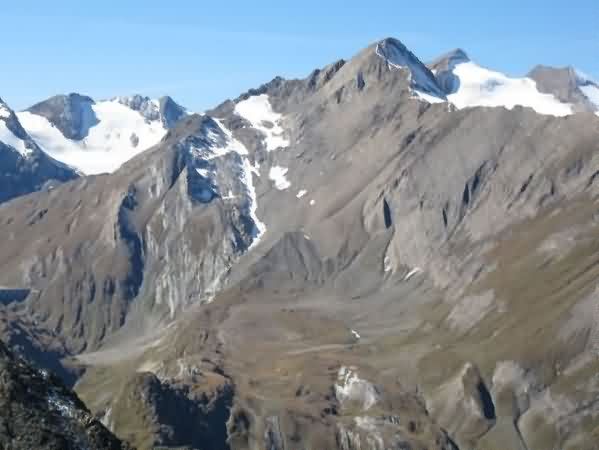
[37, 411]
[349, 260]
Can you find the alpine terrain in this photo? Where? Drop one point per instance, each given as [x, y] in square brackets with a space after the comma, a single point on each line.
[386, 254]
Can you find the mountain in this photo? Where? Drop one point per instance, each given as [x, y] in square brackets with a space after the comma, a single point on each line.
[38, 411]
[568, 85]
[24, 166]
[97, 137]
[341, 261]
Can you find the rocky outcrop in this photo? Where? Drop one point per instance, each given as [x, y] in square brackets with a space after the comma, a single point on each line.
[38, 411]
[154, 414]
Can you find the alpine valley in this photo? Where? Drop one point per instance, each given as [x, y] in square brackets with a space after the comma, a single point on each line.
[386, 254]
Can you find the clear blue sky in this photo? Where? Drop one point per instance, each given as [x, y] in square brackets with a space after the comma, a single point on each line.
[202, 52]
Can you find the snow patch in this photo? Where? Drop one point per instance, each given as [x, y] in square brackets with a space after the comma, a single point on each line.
[248, 180]
[411, 273]
[277, 174]
[484, 87]
[591, 92]
[312, 202]
[387, 266]
[355, 334]
[203, 172]
[350, 387]
[301, 193]
[8, 138]
[63, 407]
[428, 98]
[258, 111]
[4, 111]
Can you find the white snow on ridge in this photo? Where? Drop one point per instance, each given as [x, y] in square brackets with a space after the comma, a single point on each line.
[8, 138]
[428, 97]
[411, 273]
[277, 174]
[4, 111]
[592, 93]
[258, 111]
[484, 87]
[247, 179]
[120, 134]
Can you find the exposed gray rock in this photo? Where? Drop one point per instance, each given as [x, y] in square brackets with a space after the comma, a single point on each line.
[38, 411]
[565, 84]
[164, 109]
[72, 114]
[443, 67]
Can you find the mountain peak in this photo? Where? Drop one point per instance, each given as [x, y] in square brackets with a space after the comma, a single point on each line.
[72, 114]
[398, 56]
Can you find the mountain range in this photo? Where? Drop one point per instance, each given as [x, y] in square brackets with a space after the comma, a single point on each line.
[384, 254]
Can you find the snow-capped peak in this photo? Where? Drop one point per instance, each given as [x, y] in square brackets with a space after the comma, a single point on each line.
[98, 137]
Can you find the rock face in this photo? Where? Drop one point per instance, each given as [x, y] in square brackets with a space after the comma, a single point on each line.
[164, 109]
[24, 167]
[37, 411]
[72, 114]
[342, 261]
[168, 233]
[567, 85]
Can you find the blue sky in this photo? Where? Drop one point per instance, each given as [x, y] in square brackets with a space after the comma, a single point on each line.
[203, 52]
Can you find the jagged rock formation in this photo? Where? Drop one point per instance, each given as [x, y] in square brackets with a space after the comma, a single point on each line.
[38, 411]
[164, 109]
[343, 261]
